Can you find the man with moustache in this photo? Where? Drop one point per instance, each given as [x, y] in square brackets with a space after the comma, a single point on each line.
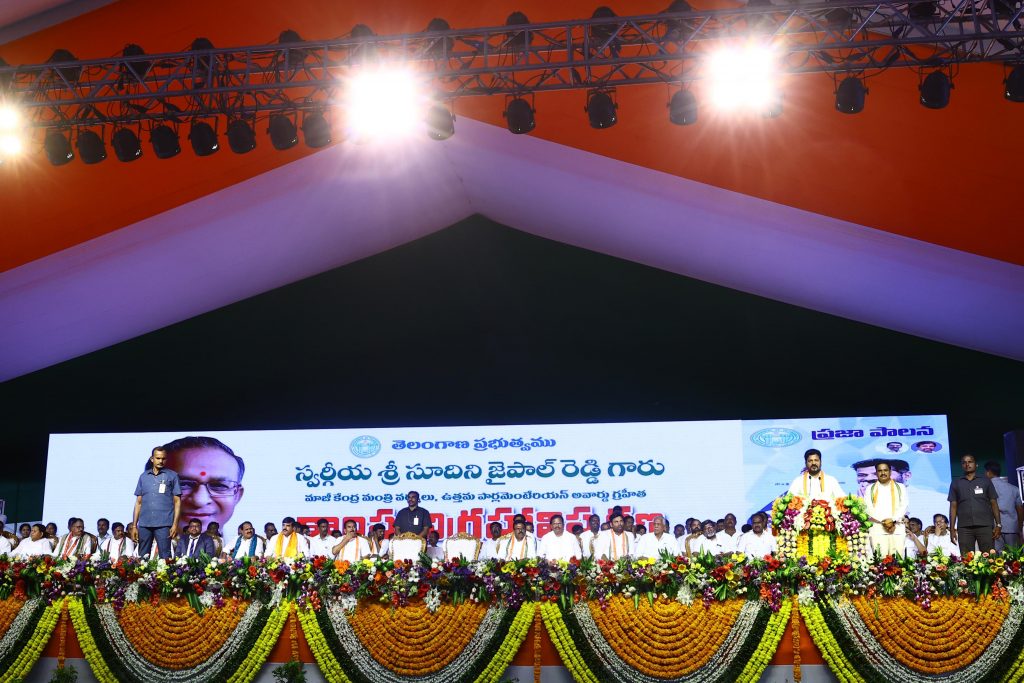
[886, 502]
[813, 483]
[248, 543]
[157, 506]
[588, 537]
[211, 478]
[557, 544]
[757, 542]
[118, 544]
[616, 542]
[659, 541]
[974, 516]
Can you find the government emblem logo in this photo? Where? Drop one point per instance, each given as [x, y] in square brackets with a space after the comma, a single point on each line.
[364, 446]
[775, 437]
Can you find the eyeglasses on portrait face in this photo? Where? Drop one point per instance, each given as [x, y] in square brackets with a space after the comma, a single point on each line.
[216, 489]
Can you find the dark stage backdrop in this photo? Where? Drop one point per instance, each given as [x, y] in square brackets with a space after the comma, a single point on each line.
[482, 324]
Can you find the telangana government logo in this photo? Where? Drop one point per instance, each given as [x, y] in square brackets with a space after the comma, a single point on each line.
[364, 446]
[775, 437]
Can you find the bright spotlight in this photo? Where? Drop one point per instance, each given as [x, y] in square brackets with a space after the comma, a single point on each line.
[11, 145]
[744, 78]
[384, 104]
[10, 118]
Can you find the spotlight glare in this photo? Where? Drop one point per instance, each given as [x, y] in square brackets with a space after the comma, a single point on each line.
[384, 104]
[10, 145]
[744, 78]
[10, 118]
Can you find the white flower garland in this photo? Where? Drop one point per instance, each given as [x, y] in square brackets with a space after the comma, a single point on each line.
[887, 665]
[18, 626]
[709, 672]
[145, 670]
[360, 657]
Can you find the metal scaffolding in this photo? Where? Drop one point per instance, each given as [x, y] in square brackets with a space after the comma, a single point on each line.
[601, 53]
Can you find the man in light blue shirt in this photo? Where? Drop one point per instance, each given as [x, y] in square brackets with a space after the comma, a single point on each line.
[157, 506]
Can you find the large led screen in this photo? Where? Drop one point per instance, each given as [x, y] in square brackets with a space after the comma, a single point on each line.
[469, 476]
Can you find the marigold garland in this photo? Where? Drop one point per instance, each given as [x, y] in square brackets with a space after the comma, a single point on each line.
[767, 647]
[171, 635]
[537, 624]
[830, 650]
[795, 624]
[413, 642]
[567, 650]
[88, 644]
[665, 639]
[922, 639]
[9, 609]
[30, 643]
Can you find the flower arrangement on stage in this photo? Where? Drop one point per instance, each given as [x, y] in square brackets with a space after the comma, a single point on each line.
[813, 528]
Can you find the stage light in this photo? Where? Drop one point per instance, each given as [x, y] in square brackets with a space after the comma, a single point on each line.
[70, 73]
[1014, 84]
[935, 90]
[10, 118]
[11, 145]
[850, 95]
[744, 78]
[682, 110]
[383, 104]
[676, 28]
[165, 142]
[601, 109]
[11, 142]
[519, 116]
[289, 36]
[203, 138]
[315, 130]
[241, 137]
[601, 33]
[361, 31]
[127, 146]
[91, 149]
[923, 10]
[283, 133]
[139, 68]
[516, 40]
[442, 46]
[440, 122]
[58, 148]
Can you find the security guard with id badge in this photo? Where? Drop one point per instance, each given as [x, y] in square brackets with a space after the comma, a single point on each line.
[157, 506]
[413, 519]
[973, 510]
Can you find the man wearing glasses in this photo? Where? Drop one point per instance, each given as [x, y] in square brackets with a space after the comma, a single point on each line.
[210, 475]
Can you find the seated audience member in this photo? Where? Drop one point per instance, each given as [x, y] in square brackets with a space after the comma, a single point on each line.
[746, 527]
[336, 534]
[247, 544]
[213, 531]
[614, 543]
[659, 541]
[435, 550]
[639, 530]
[710, 541]
[322, 543]
[558, 545]
[757, 542]
[678, 531]
[518, 545]
[730, 535]
[118, 544]
[629, 524]
[8, 542]
[36, 543]
[102, 529]
[577, 530]
[940, 539]
[488, 546]
[378, 544]
[289, 544]
[353, 546]
[269, 530]
[51, 534]
[25, 530]
[76, 543]
[915, 539]
[194, 543]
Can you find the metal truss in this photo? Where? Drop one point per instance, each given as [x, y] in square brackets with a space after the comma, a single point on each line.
[847, 36]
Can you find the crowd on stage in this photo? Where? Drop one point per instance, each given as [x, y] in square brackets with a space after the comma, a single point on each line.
[974, 503]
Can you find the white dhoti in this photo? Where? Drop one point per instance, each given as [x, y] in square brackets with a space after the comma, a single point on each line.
[886, 543]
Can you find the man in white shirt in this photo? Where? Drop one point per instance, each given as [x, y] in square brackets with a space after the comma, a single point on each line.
[709, 542]
[488, 547]
[614, 543]
[435, 549]
[353, 546]
[757, 542]
[813, 484]
[287, 545]
[118, 544]
[247, 544]
[588, 537]
[940, 538]
[102, 529]
[378, 544]
[886, 502]
[323, 543]
[558, 544]
[729, 535]
[659, 541]
[35, 544]
[914, 546]
[518, 545]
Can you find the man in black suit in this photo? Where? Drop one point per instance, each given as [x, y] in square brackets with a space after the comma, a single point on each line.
[196, 542]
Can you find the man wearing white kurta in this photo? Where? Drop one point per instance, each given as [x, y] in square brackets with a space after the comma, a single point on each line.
[711, 542]
[517, 545]
[813, 484]
[489, 544]
[614, 543]
[559, 544]
[289, 544]
[352, 546]
[656, 542]
[118, 544]
[940, 538]
[248, 544]
[322, 543]
[590, 534]
[757, 542]
[886, 502]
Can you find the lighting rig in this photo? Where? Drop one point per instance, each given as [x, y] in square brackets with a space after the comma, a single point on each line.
[363, 86]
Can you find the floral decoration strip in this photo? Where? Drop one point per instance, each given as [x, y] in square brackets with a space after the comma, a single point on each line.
[855, 653]
[25, 639]
[170, 634]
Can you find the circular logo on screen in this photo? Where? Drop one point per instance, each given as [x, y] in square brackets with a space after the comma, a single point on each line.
[775, 437]
[364, 446]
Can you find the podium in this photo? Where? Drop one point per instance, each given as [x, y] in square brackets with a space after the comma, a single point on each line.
[813, 527]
